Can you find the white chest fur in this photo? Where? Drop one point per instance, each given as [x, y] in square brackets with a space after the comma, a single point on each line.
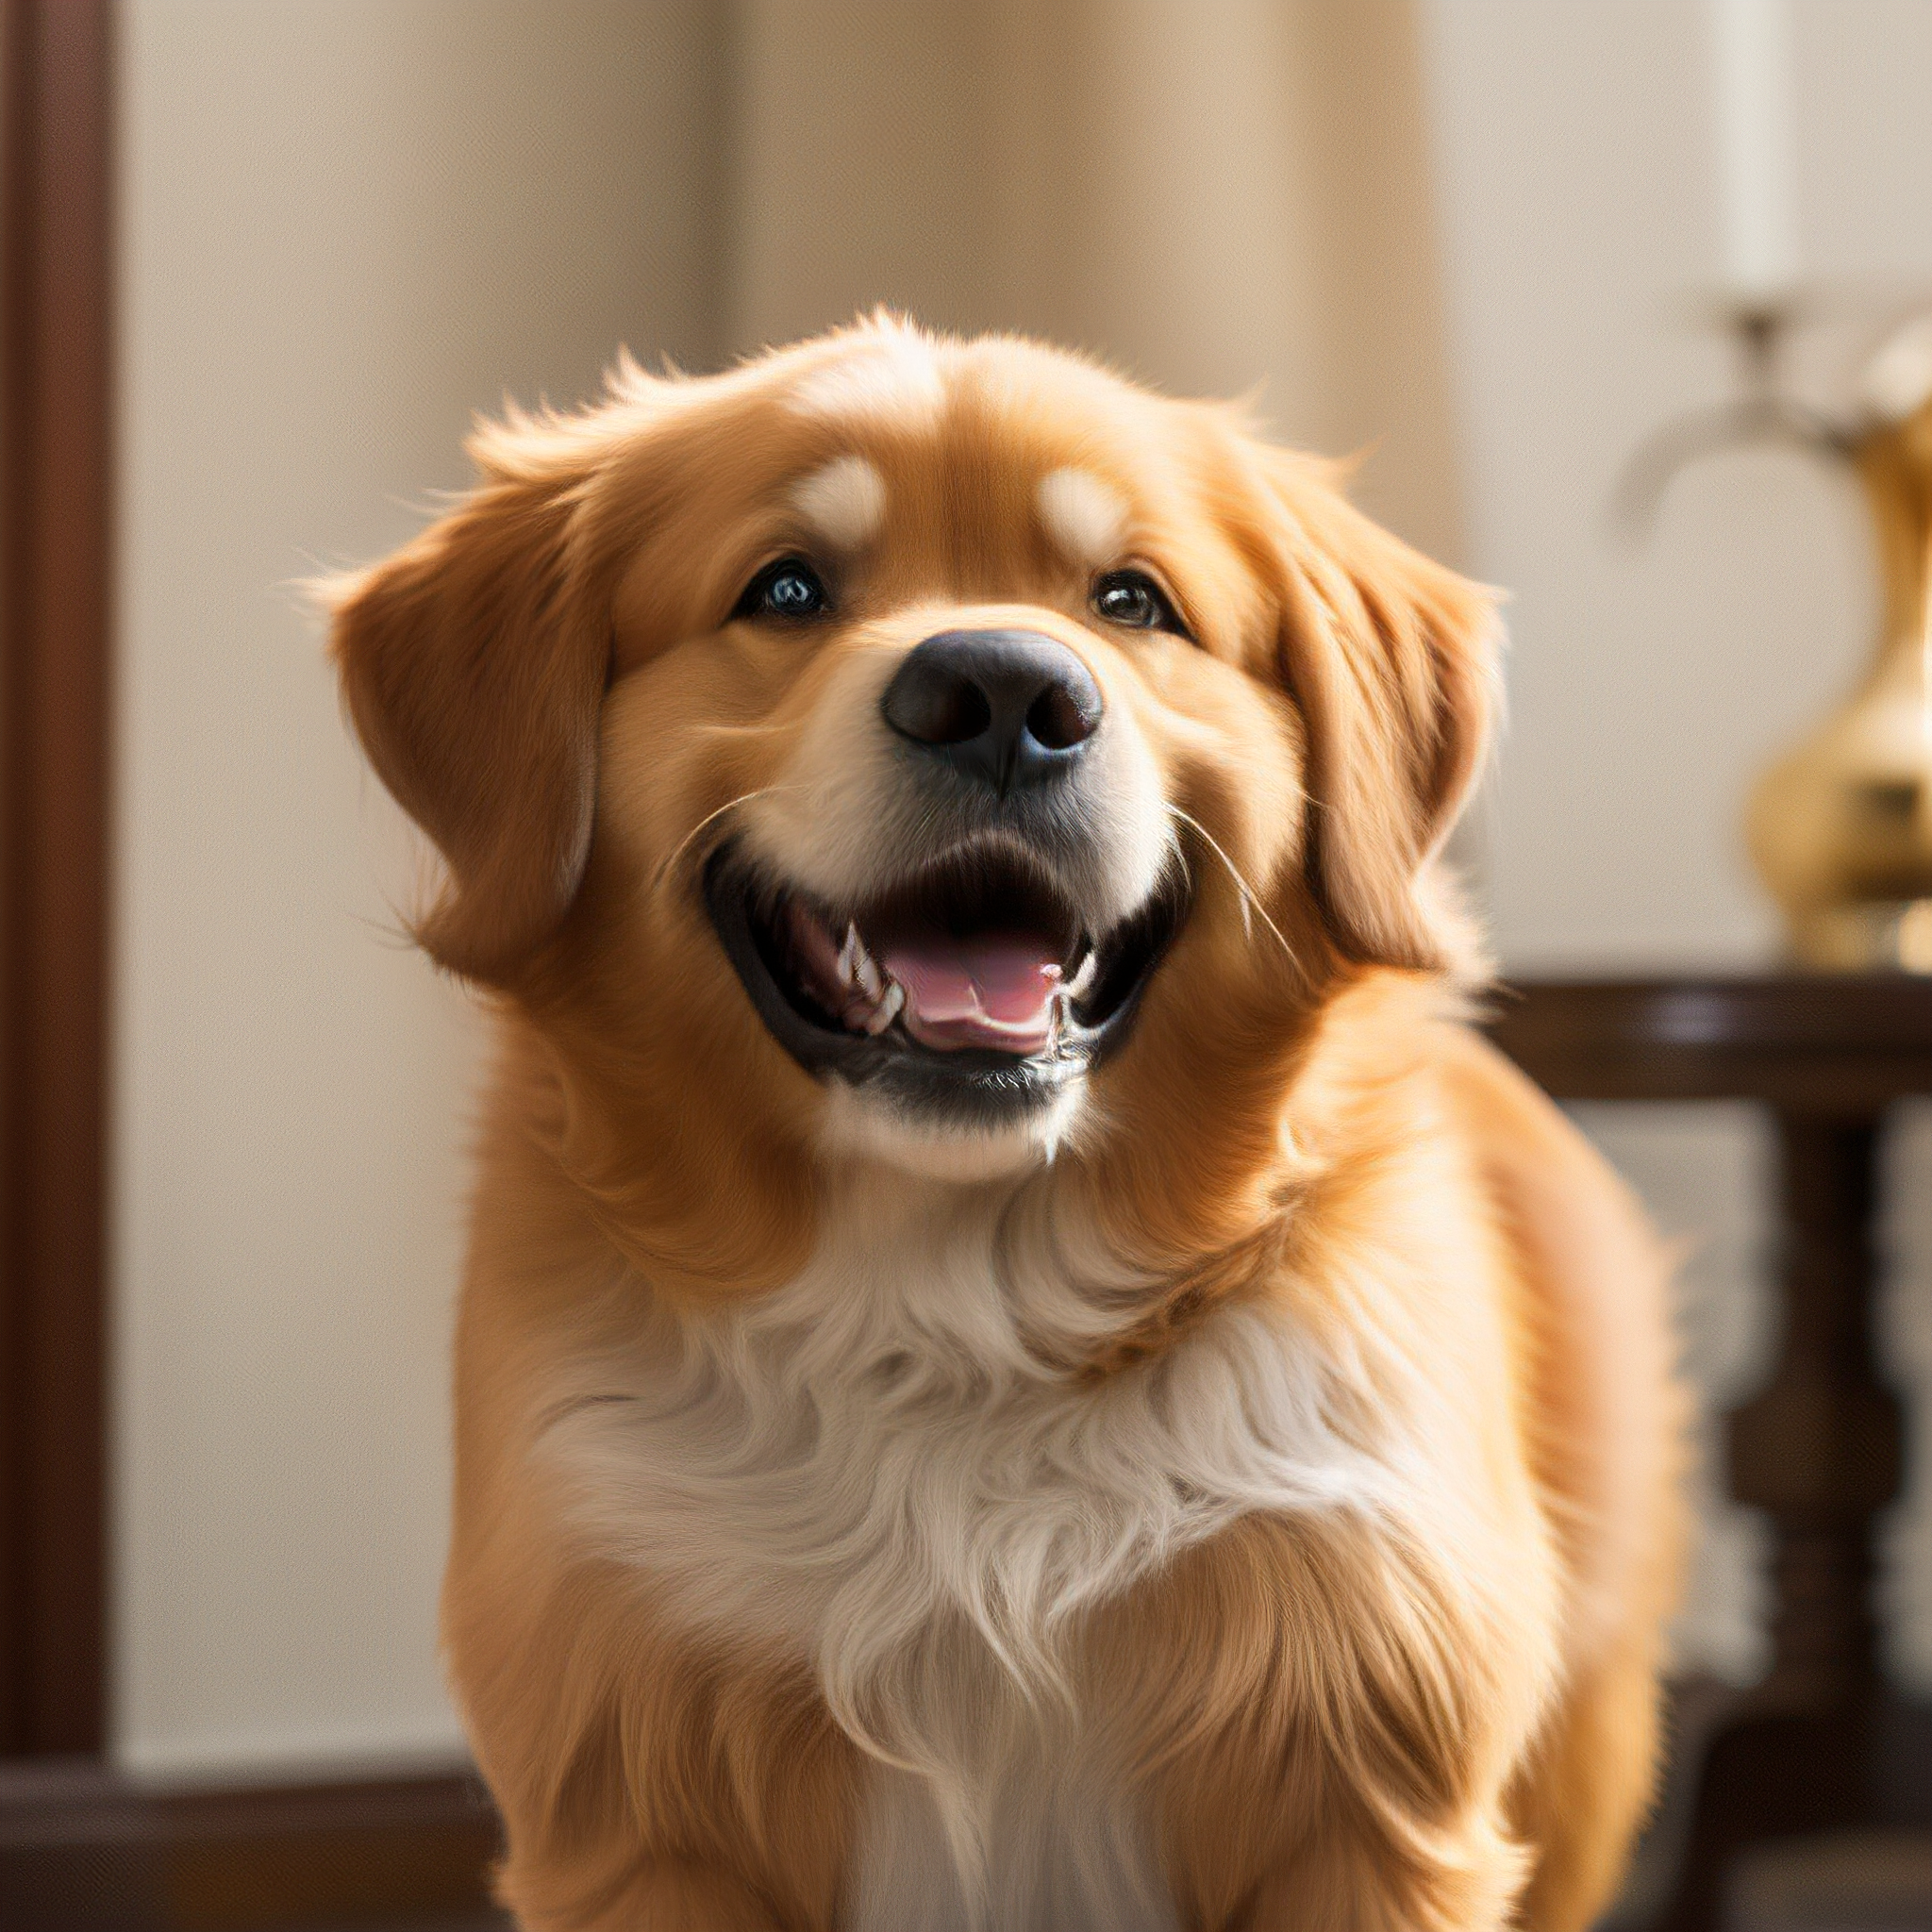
[880, 1465]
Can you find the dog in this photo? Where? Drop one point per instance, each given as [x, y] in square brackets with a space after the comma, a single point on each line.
[1021, 1363]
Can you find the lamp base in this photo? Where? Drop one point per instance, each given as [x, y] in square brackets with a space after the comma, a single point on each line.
[1877, 936]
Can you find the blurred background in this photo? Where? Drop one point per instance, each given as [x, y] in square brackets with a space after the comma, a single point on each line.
[1480, 242]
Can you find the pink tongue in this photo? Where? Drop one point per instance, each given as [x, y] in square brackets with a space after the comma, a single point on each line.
[994, 989]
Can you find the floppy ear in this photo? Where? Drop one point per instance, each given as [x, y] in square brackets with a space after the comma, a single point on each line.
[474, 663]
[1395, 663]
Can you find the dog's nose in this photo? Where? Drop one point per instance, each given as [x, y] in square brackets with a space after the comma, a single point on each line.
[1009, 708]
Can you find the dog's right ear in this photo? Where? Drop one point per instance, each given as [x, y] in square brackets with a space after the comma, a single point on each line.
[474, 663]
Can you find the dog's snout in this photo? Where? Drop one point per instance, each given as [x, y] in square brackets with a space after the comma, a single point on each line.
[1008, 708]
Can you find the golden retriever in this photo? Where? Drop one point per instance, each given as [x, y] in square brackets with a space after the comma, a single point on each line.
[1020, 1366]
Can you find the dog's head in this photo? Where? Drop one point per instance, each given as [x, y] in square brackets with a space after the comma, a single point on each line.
[911, 750]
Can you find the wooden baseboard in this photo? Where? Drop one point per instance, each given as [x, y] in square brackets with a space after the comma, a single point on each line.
[82, 1850]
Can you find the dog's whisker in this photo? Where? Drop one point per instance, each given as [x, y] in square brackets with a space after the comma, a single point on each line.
[393, 933]
[1251, 901]
[709, 819]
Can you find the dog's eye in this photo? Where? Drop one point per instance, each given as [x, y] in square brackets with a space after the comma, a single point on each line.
[1132, 598]
[789, 587]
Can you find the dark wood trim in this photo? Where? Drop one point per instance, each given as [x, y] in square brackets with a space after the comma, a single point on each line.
[81, 1849]
[55, 432]
[1841, 1047]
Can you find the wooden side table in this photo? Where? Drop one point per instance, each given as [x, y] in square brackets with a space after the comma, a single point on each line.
[1823, 1743]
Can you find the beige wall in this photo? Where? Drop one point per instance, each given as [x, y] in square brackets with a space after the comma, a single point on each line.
[345, 224]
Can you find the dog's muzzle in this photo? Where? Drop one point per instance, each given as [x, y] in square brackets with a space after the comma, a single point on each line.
[987, 962]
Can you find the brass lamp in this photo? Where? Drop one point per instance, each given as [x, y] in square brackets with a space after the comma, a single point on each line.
[1840, 825]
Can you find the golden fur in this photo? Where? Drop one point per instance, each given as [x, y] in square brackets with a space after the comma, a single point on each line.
[1430, 1703]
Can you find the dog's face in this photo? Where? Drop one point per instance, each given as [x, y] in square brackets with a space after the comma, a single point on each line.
[915, 750]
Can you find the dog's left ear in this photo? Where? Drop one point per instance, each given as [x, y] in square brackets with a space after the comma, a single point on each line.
[1394, 661]
[474, 663]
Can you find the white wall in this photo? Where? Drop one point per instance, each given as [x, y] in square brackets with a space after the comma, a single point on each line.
[345, 224]
[1648, 683]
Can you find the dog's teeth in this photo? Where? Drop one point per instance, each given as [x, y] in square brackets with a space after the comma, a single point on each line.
[849, 955]
[855, 964]
[887, 1008]
[1077, 986]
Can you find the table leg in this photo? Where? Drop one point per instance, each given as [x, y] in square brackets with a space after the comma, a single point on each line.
[1819, 1449]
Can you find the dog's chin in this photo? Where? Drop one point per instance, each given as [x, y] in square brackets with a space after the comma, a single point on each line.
[863, 1126]
[924, 1074]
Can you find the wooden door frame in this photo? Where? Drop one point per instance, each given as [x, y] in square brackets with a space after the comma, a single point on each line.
[79, 1845]
[55, 575]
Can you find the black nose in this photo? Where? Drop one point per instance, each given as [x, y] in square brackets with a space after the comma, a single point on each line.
[1008, 708]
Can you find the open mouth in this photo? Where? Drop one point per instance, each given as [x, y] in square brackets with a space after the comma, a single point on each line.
[972, 981]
